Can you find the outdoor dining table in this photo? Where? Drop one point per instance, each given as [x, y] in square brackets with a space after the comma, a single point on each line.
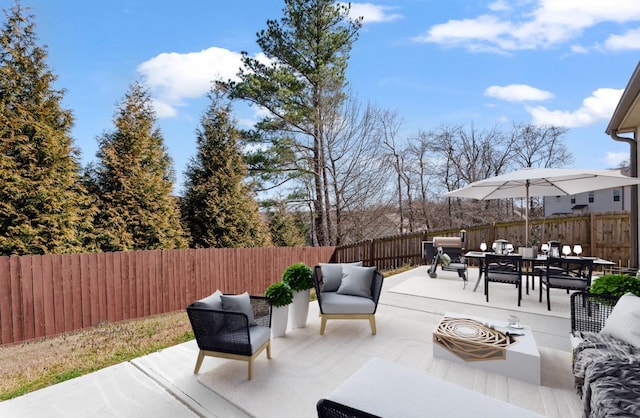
[533, 261]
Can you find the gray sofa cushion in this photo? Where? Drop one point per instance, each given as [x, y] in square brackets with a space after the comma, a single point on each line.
[239, 303]
[258, 335]
[356, 281]
[213, 301]
[335, 303]
[332, 275]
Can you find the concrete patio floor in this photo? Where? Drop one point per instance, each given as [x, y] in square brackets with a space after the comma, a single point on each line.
[162, 384]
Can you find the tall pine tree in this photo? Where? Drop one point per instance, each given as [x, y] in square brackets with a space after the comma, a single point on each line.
[287, 229]
[41, 205]
[218, 208]
[300, 87]
[133, 181]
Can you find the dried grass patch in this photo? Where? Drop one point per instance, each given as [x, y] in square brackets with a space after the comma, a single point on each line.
[37, 364]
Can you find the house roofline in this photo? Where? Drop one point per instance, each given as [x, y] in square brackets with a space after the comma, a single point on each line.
[629, 97]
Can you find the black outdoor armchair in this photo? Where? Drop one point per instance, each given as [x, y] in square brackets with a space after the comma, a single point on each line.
[503, 269]
[566, 273]
[238, 330]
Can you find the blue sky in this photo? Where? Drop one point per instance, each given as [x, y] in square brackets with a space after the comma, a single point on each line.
[434, 62]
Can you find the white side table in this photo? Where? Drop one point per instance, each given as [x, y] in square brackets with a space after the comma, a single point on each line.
[522, 359]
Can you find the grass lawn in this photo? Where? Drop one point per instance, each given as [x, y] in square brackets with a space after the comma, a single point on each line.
[30, 366]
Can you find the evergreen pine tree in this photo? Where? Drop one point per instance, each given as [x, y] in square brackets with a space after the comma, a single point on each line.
[41, 200]
[287, 229]
[218, 208]
[300, 88]
[133, 181]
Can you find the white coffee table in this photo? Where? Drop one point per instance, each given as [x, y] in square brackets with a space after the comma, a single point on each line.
[521, 360]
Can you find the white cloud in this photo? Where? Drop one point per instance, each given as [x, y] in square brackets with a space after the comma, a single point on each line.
[174, 77]
[499, 6]
[579, 49]
[535, 24]
[517, 93]
[630, 40]
[615, 159]
[164, 110]
[595, 108]
[372, 13]
[484, 29]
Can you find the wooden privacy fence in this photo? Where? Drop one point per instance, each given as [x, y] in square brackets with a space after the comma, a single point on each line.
[385, 253]
[605, 235]
[46, 295]
[51, 294]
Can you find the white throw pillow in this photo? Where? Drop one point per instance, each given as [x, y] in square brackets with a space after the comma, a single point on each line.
[332, 275]
[356, 281]
[624, 321]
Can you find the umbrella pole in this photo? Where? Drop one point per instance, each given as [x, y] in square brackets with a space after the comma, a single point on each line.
[526, 215]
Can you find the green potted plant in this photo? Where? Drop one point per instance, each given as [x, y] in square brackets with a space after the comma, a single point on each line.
[615, 285]
[279, 295]
[298, 277]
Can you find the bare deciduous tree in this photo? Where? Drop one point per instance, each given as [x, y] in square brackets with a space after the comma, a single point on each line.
[540, 146]
[390, 124]
[465, 156]
[356, 173]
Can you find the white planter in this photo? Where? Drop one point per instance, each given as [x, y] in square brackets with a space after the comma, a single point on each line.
[300, 308]
[279, 318]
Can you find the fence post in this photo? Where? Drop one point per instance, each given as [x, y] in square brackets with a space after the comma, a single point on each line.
[492, 232]
[592, 234]
[372, 253]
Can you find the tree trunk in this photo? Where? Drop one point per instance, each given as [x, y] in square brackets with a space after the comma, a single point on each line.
[319, 171]
[400, 208]
[327, 200]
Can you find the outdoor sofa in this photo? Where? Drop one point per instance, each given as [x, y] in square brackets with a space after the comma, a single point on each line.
[384, 389]
[606, 354]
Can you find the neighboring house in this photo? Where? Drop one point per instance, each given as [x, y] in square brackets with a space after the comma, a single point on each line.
[606, 200]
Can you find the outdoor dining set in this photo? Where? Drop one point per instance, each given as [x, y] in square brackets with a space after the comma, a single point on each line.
[554, 268]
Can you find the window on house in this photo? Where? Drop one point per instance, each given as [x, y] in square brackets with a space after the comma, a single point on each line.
[557, 199]
[573, 199]
[616, 195]
[591, 197]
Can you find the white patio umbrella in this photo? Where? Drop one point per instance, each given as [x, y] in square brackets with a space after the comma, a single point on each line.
[542, 182]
